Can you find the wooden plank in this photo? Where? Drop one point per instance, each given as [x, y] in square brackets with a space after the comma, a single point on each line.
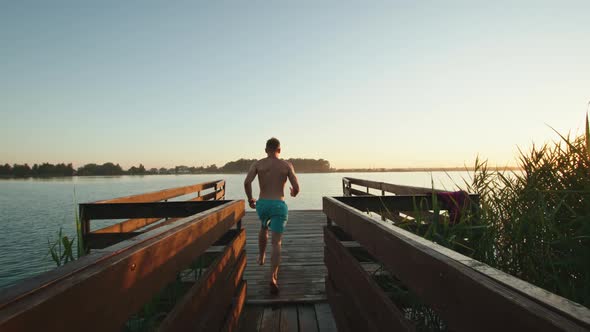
[219, 195]
[276, 318]
[194, 308]
[232, 321]
[126, 226]
[172, 220]
[356, 285]
[356, 192]
[145, 210]
[219, 303]
[307, 319]
[342, 308]
[134, 224]
[289, 319]
[325, 318]
[446, 284]
[137, 223]
[130, 272]
[267, 323]
[164, 194]
[103, 240]
[251, 318]
[380, 204]
[389, 187]
[286, 300]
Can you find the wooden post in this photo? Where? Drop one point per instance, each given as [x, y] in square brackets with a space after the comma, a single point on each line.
[85, 225]
[329, 221]
[166, 217]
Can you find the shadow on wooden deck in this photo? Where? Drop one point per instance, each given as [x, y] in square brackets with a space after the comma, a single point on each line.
[301, 304]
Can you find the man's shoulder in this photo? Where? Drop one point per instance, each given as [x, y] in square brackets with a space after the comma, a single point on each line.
[287, 163]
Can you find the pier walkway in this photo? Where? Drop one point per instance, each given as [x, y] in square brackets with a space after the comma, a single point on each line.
[301, 304]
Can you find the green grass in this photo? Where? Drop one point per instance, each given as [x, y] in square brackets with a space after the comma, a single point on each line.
[61, 249]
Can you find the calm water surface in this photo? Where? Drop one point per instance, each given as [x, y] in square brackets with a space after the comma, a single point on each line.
[33, 210]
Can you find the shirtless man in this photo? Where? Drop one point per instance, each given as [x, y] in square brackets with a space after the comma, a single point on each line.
[271, 208]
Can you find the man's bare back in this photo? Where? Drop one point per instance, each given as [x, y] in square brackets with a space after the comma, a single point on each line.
[272, 176]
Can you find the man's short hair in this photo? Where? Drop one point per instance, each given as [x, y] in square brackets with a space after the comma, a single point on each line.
[273, 144]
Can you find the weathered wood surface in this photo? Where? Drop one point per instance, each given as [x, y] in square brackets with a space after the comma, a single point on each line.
[232, 320]
[131, 225]
[145, 210]
[212, 293]
[384, 187]
[444, 279]
[294, 317]
[302, 269]
[135, 224]
[408, 203]
[166, 193]
[102, 289]
[349, 277]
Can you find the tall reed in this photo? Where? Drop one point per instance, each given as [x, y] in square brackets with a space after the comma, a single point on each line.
[533, 223]
[540, 217]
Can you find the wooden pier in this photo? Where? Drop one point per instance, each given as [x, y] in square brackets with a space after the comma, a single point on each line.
[301, 304]
[191, 265]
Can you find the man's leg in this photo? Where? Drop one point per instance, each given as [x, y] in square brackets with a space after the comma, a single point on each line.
[262, 239]
[275, 258]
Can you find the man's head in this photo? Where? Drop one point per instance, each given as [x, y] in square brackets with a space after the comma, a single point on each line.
[273, 146]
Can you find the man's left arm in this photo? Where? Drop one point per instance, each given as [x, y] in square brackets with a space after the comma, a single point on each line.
[293, 180]
[248, 185]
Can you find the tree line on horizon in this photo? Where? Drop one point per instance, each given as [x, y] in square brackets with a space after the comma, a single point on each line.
[64, 170]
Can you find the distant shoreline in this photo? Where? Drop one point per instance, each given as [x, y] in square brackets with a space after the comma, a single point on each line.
[341, 170]
[420, 169]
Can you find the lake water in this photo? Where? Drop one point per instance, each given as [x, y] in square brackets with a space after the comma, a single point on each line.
[33, 210]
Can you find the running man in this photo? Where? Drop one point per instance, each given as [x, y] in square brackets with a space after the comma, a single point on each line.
[271, 208]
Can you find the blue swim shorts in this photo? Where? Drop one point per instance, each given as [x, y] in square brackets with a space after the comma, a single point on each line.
[272, 212]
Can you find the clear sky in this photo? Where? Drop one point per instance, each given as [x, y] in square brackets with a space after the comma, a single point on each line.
[360, 83]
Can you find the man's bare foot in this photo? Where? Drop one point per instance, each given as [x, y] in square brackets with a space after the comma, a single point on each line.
[274, 288]
[261, 259]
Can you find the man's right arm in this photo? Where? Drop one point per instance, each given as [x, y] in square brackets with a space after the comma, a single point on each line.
[248, 185]
[293, 180]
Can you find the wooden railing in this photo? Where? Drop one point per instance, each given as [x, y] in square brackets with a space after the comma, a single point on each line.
[418, 200]
[466, 294]
[104, 237]
[102, 290]
[385, 188]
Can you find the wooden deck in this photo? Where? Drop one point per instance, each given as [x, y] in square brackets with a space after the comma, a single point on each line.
[302, 270]
[301, 304]
[302, 317]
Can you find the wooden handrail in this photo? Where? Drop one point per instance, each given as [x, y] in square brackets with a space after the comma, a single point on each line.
[395, 189]
[466, 293]
[165, 194]
[105, 236]
[99, 292]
